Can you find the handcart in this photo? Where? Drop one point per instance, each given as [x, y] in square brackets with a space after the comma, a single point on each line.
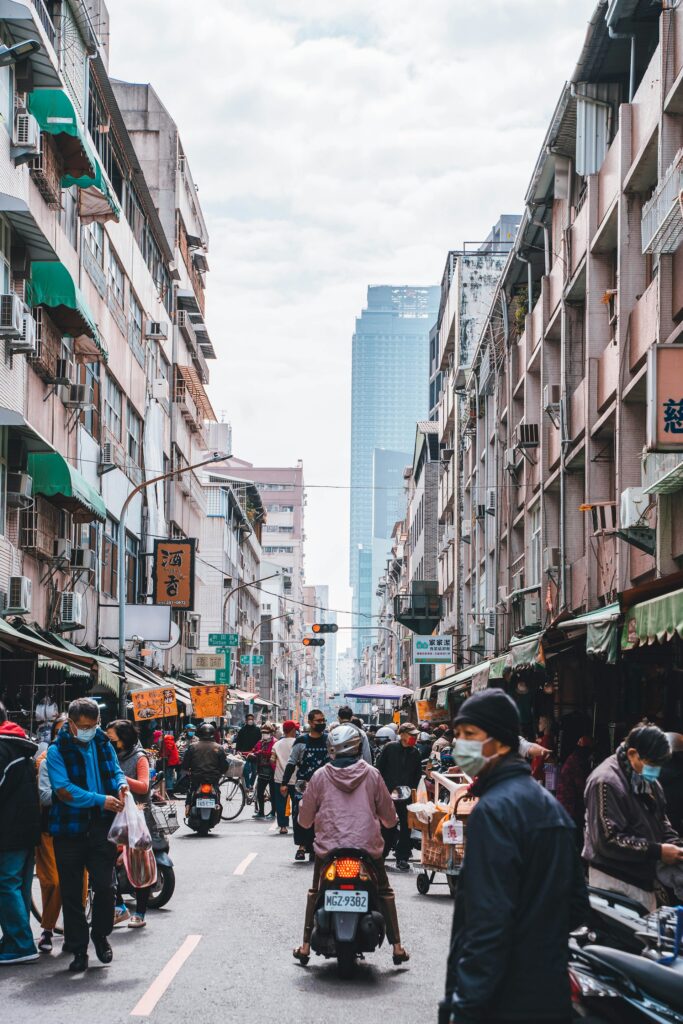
[443, 853]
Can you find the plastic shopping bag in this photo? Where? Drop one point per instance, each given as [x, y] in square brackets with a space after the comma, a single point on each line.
[129, 827]
[141, 867]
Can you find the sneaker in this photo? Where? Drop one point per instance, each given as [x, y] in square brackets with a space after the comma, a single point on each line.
[403, 865]
[137, 921]
[121, 914]
[6, 959]
[45, 942]
[258, 815]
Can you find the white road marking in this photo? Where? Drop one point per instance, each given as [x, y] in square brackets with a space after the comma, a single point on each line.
[156, 990]
[241, 868]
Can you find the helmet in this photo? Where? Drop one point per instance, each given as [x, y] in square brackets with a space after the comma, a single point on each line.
[385, 735]
[424, 737]
[344, 741]
[206, 731]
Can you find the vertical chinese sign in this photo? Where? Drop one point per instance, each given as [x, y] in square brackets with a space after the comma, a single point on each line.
[665, 398]
[174, 573]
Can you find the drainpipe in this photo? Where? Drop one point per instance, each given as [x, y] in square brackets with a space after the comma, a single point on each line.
[546, 244]
[529, 280]
[632, 69]
[564, 442]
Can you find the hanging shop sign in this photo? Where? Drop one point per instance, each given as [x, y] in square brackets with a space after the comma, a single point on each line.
[208, 661]
[433, 650]
[427, 711]
[174, 573]
[665, 398]
[159, 703]
[208, 701]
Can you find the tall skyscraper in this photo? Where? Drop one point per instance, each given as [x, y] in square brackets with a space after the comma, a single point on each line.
[389, 395]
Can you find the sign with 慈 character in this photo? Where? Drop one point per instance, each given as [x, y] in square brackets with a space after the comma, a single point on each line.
[174, 573]
[210, 661]
[159, 703]
[665, 398]
[427, 711]
[208, 701]
[433, 650]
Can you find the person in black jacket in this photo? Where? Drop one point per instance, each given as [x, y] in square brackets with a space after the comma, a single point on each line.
[521, 890]
[400, 764]
[245, 741]
[19, 836]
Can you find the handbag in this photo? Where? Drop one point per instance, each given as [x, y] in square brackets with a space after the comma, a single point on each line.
[141, 867]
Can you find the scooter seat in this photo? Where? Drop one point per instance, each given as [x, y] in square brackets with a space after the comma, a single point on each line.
[665, 983]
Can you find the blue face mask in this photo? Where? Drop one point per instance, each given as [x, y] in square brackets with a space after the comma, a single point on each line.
[650, 772]
[85, 735]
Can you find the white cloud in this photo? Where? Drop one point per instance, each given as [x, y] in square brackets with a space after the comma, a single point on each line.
[334, 148]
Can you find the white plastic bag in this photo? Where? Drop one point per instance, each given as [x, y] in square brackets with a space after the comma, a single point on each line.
[129, 827]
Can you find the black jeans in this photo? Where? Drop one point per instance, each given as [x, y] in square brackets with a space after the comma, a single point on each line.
[302, 836]
[264, 783]
[399, 836]
[91, 852]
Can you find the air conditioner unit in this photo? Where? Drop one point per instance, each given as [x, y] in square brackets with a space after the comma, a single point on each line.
[11, 316]
[491, 501]
[84, 558]
[160, 389]
[63, 372]
[480, 511]
[510, 458]
[78, 396]
[551, 559]
[476, 635]
[26, 133]
[155, 329]
[532, 609]
[192, 639]
[502, 595]
[71, 611]
[490, 620]
[634, 503]
[27, 342]
[551, 396]
[19, 490]
[518, 580]
[61, 551]
[526, 435]
[19, 596]
[110, 457]
[465, 533]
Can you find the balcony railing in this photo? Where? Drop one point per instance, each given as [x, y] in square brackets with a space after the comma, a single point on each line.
[45, 20]
[662, 219]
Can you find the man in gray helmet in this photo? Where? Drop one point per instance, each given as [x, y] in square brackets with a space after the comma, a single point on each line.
[347, 802]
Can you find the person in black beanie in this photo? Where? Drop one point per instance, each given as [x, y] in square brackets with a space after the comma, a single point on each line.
[521, 890]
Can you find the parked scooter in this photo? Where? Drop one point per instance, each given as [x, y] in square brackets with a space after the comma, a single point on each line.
[164, 886]
[348, 918]
[609, 985]
[205, 808]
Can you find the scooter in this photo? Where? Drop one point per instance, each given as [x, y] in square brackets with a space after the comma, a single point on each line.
[608, 985]
[205, 808]
[164, 886]
[348, 918]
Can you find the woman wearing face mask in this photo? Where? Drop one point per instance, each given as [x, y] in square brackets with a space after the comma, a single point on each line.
[629, 842]
[135, 765]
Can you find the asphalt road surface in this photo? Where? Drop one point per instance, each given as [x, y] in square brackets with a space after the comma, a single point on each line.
[221, 951]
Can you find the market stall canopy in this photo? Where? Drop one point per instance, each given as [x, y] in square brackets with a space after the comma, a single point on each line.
[654, 621]
[15, 638]
[56, 115]
[52, 285]
[474, 678]
[380, 691]
[526, 652]
[27, 228]
[32, 440]
[65, 487]
[19, 20]
[602, 631]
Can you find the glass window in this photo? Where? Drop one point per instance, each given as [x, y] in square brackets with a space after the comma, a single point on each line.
[116, 281]
[132, 556]
[3, 495]
[89, 374]
[535, 545]
[5, 244]
[110, 554]
[113, 405]
[69, 214]
[134, 425]
[135, 330]
[94, 237]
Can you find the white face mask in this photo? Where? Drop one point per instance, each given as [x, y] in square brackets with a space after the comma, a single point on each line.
[85, 735]
[468, 755]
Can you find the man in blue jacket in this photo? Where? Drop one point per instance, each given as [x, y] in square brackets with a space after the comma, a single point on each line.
[88, 789]
[521, 891]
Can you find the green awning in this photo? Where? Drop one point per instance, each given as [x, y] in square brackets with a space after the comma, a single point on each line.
[475, 677]
[654, 621]
[52, 285]
[525, 653]
[54, 111]
[97, 199]
[498, 666]
[602, 631]
[55, 479]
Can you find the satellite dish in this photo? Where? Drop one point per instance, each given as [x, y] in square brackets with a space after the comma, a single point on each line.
[175, 639]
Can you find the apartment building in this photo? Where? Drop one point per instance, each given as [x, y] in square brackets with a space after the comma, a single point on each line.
[97, 393]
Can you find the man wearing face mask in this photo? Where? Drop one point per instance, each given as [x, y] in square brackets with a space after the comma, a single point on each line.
[308, 754]
[521, 890]
[629, 842]
[400, 764]
[88, 789]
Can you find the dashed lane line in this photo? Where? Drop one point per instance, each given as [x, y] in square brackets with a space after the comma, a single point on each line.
[242, 867]
[156, 990]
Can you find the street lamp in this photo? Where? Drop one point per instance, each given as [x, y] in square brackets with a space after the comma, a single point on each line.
[215, 457]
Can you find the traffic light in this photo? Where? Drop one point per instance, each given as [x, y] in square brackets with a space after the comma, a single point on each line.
[325, 627]
[313, 641]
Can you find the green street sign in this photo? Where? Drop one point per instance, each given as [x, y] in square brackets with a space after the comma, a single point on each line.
[252, 659]
[224, 640]
[223, 675]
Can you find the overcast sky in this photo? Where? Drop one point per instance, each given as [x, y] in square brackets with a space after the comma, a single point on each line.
[336, 145]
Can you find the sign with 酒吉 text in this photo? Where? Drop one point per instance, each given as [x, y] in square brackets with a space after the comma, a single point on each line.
[173, 573]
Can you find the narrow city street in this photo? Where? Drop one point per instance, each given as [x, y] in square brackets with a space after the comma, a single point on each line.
[238, 906]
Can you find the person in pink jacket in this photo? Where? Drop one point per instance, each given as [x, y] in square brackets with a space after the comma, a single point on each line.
[347, 802]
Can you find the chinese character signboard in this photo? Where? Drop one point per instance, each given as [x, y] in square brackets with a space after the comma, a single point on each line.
[433, 650]
[159, 703]
[427, 711]
[223, 675]
[665, 398]
[252, 659]
[210, 661]
[208, 701]
[224, 640]
[174, 573]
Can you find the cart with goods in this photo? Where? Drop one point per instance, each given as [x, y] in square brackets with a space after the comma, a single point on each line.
[442, 825]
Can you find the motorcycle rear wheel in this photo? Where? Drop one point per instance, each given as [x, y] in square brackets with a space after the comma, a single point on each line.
[346, 960]
[163, 888]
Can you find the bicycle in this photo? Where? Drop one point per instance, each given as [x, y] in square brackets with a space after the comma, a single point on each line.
[235, 793]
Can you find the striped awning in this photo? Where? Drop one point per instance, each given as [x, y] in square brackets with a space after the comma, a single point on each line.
[196, 389]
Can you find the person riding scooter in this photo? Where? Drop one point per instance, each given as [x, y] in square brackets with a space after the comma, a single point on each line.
[205, 761]
[346, 801]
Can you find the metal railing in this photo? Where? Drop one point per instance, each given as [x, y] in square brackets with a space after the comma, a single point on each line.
[45, 20]
[662, 218]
